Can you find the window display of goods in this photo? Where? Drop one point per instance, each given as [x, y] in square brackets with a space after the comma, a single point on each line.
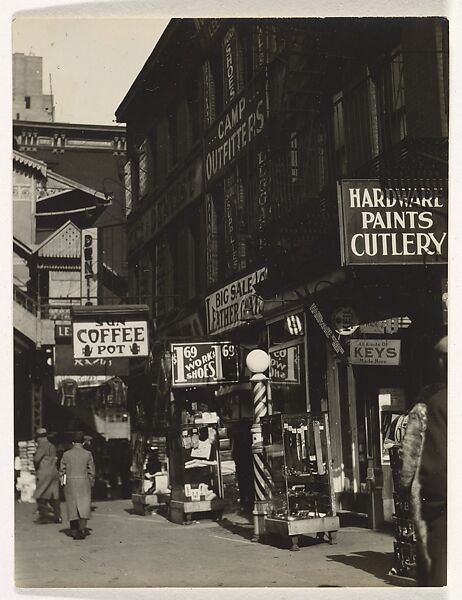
[296, 468]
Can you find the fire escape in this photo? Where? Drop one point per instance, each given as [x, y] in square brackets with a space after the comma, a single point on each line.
[298, 220]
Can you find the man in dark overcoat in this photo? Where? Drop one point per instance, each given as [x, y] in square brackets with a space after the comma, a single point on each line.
[77, 473]
[47, 487]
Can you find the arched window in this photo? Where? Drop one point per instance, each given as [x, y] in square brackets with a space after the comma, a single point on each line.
[184, 129]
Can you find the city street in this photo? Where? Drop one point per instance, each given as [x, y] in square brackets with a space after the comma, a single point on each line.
[126, 550]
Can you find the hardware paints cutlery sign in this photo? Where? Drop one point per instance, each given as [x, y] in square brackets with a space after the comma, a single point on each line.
[404, 224]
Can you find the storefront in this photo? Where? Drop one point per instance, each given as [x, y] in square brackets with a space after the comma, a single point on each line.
[357, 342]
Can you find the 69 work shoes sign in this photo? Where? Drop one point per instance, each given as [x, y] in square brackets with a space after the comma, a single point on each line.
[103, 339]
[204, 363]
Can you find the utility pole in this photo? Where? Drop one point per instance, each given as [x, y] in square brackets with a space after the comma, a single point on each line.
[52, 102]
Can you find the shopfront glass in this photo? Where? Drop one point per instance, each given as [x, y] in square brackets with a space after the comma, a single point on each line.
[287, 364]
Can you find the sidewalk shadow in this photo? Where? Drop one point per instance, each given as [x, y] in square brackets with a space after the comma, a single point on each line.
[245, 530]
[369, 561]
[242, 529]
[68, 532]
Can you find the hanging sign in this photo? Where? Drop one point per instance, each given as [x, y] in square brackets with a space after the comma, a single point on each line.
[344, 320]
[393, 225]
[103, 339]
[223, 306]
[390, 326]
[327, 331]
[285, 365]
[89, 266]
[204, 363]
[67, 364]
[375, 352]
[242, 123]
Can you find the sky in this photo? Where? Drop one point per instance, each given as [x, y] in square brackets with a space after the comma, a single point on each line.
[92, 61]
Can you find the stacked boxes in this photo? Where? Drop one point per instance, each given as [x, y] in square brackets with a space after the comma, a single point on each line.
[25, 483]
[405, 540]
[26, 455]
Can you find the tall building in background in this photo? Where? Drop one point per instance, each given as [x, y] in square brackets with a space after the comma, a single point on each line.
[29, 101]
[68, 249]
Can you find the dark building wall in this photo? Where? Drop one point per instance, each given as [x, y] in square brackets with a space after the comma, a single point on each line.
[342, 94]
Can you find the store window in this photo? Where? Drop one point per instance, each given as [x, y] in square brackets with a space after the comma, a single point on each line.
[209, 94]
[391, 99]
[360, 121]
[194, 107]
[143, 169]
[185, 263]
[128, 187]
[338, 130]
[164, 154]
[287, 364]
[184, 129]
[163, 277]
[173, 137]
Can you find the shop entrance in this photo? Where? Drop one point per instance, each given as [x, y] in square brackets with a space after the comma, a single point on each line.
[365, 406]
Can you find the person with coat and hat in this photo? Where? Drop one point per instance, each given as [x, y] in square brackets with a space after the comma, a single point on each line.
[47, 487]
[77, 471]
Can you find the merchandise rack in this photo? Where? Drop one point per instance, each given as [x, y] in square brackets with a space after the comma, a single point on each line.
[296, 455]
[195, 472]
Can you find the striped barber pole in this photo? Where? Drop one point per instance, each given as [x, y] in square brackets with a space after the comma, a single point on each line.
[261, 475]
[260, 405]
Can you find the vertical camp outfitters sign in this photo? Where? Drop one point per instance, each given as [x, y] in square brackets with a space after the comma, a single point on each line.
[238, 127]
[89, 266]
[392, 225]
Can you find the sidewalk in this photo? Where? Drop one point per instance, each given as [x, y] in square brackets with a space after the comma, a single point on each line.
[126, 550]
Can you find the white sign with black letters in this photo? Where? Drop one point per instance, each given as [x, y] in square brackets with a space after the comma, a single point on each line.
[102, 339]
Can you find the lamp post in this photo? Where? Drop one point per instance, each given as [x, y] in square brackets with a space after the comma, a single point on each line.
[258, 362]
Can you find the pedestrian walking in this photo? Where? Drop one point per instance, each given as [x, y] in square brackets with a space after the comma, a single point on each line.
[433, 476]
[411, 453]
[77, 473]
[423, 474]
[47, 487]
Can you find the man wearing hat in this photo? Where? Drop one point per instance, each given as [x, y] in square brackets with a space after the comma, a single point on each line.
[78, 470]
[47, 488]
[433, 474]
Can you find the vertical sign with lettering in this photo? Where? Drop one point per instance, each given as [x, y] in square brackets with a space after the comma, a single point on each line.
[231, 66]
[212, 240]
[231, 229]
[209, 94]
[261, 199]
[89, 266]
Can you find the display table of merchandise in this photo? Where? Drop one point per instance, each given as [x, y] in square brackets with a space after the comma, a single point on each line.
[405, 540]
[296, 455]
[195, 472]
[26, 482]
